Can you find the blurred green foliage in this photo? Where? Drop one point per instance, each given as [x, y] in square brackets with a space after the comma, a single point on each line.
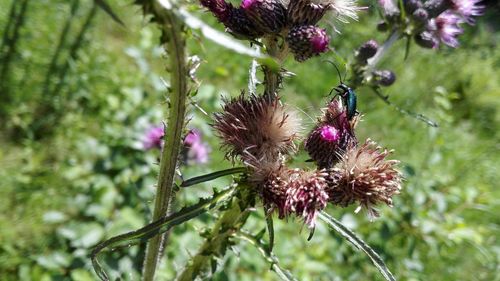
[73, 171]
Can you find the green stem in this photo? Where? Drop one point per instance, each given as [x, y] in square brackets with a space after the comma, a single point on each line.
[172, 31]
[382, 51]
[217, 242]
[267, 255]
[157, 227]
[272, 77]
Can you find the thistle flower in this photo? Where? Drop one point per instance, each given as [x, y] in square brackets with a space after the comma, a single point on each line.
[271, 180]
[384, 77]
[365, 176]
[235, 20]
[468, 9]
[195, 149]
[258, 127]
[446, 28]
[366, 51]
[329, 140]
[306, 195]
[305, 12]
[153, 138]
[307, 41]
[426, 39]
[268, 15]
[411, 5]
[389, 9]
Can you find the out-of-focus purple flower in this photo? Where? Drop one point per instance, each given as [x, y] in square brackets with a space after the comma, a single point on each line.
[446, 28]
[197, 150]
[468, 9]
[389, 9]
[153, 138]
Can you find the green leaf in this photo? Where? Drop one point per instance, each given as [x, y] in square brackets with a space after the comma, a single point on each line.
[212, 176]
[358, 243]
[158, 227]
[108, 10]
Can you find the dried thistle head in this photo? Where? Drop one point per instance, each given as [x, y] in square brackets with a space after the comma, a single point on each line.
[306, 195]
[365, 176]
[334, 133]
[257, 127]
[271, 180]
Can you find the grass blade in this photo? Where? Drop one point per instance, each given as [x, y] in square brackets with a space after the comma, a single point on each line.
[212, 176]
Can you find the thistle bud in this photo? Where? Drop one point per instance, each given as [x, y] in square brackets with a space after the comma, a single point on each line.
[382, 26]
[427, 40]
[306, 41]
[366, 51]
[235, 20]
[420, 15]
[332, 136]
[364, 176]
[304, 12]
[384, 77]
[268, 15]
[412, 5]
[436, 7]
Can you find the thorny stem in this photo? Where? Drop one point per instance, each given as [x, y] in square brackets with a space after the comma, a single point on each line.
[217, 242]
[172, 30]
[272, 78]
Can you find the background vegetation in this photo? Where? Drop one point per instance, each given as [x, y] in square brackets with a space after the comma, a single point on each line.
[78, 92]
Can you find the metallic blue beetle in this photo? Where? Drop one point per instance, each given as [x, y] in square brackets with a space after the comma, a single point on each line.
[348, 96]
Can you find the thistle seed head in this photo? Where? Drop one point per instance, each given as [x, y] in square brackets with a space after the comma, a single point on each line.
[257, 127]
[365, 176]
[306, 195]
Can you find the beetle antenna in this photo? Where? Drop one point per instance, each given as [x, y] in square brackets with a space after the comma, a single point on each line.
[336, 68]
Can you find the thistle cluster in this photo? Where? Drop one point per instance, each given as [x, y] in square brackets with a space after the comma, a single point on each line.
[262, 133]
[431, 22]
[294, 20]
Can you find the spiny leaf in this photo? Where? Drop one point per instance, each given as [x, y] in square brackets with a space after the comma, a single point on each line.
[358, 243]
[158, 227]
[212, 176]
[108, 10]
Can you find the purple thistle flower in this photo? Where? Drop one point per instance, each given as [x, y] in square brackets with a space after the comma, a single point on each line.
[468, 9]
[446, 28]
[389, 8]
[153, 138]
[306, 195]
[197, 150]
[329, 140]
[329, 133]
[305, 12]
